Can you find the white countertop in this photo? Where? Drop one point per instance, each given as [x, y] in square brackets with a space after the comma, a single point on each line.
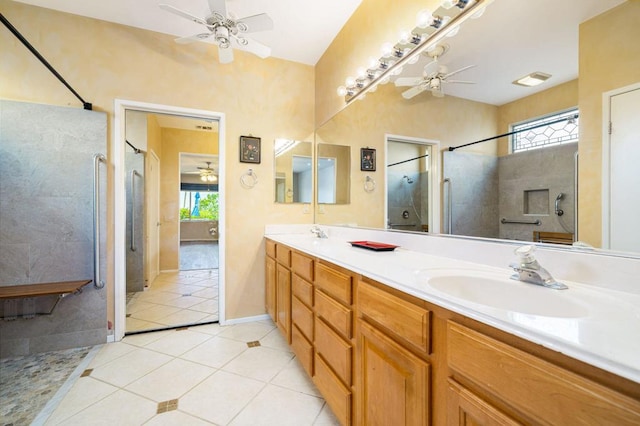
[597, 325]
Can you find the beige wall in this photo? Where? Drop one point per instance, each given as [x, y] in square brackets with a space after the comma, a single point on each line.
[609, 59]
[174, 142]
[105, 61]
[557, 98]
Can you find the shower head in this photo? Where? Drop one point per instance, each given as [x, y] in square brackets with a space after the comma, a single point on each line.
[407, 178]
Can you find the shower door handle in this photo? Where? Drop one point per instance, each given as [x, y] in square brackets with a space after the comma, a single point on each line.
[97, 279]
[134, 173]
[447, 182]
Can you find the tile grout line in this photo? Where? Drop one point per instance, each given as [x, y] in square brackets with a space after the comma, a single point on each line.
[53, 403]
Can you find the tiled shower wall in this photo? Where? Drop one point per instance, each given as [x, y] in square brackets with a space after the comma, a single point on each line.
[410, 197]
[46, 221]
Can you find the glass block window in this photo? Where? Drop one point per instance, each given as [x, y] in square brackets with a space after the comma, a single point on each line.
[546, 131]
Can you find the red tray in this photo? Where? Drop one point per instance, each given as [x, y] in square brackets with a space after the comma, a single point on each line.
[371, 245]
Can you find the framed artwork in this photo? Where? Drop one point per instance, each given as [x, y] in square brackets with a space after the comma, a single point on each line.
[249, 149]
[368, 159]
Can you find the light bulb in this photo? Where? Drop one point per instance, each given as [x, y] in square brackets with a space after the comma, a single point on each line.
[373, 63]
[386, 50]
[448, 4]
[203, 178]
[350, 82]
[424, 18]
[342, 91]
[405, 37]
[361, 73]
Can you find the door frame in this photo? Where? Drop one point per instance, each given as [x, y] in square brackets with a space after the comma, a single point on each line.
[606, 159]
[119, 292]
[434, 178]
[152, 228]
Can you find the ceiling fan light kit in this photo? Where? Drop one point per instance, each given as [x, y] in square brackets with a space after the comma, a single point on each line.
[226, 31]
[430, 29]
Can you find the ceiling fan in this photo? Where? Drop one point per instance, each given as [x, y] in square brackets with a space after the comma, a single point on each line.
[433, 78]
[226, 30]
[207, 174]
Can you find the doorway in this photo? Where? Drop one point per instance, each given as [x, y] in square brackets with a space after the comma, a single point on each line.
[163, 125]
[412, 198]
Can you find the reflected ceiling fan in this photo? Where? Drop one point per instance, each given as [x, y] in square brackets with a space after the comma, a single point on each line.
[226, 30]
[433, 78]
[207, 174]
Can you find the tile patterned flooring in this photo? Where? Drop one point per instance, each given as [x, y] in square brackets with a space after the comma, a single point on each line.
[174, 299]
[201, 375]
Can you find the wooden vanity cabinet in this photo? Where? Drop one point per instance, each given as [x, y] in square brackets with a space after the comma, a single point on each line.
[270, 279]
[302, 328]
[392, 367]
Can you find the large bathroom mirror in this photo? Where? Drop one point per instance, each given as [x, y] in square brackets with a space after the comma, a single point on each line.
[487, 51]
[333, 173]
[293, 171]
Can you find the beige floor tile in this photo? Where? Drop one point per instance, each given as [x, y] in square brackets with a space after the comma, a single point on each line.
[220, 397]
[208, 293]
[138, 305]
[189, 289]
[208, 306]
[177, 417]
[134, 324]
[157, 296]
[183, 317]
[294, 377]
[144, 339]
[178, 342]
[184, 302]
[215, 352]
[109, 352]
[85, 392]
[156, 313]
[119, 408]
[326, 417]
[259, 363]
[275, 340]
[275, 406]
[248, 332]
[211, 329]
[130, 367]
[170, 381]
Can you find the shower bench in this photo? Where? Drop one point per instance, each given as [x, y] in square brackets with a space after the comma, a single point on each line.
[26, 293]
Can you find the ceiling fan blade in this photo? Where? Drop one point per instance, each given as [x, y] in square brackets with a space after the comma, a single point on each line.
[219, 6]
[225, 55]
[255, 23]
[431, 67]
[252, 46]
[416, 90]
[457, 71]
[184, 14]
[195, 37]
[459, 81]
[407, 81]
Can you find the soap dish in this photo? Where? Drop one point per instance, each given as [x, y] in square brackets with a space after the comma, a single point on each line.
[371, 245]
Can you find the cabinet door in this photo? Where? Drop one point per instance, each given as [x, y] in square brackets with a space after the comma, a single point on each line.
[466, 409]
[283, 301]
[393, 384]
[270, 287]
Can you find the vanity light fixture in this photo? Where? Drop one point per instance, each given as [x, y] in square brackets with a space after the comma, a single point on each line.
[431, 27]
[284, 145]
[532, 79]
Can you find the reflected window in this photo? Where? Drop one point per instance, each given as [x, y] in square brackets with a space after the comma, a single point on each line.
[199, 205]
[550, 130]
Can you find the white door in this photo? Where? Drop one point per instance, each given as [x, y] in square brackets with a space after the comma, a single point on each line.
[153, 217]
[624, 180]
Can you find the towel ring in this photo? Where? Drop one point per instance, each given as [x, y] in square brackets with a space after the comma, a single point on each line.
[249, 179]
[369, 184]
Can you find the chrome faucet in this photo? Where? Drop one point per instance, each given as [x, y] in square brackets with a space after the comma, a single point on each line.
[528, 270]
[315, 229]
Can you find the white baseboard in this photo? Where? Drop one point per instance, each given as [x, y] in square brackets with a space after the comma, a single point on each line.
[262, 317]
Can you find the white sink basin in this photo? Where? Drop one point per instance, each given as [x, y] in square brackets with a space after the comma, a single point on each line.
[494, 290]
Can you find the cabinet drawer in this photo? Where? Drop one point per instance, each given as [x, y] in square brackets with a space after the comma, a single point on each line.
[302, 265]
[302, 317]
[335, 393]
[403, 319]
[334, 282]
[270, 248]
[303, 349]
[283, 255]
[538, 389]
[303, 290]
[334, 313]
[335, 350]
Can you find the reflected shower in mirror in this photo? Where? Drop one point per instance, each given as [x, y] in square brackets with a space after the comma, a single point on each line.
[333, 173]
[293, 171]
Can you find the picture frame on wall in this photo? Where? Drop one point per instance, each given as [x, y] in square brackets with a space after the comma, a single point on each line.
[367, 159]
[249, 149]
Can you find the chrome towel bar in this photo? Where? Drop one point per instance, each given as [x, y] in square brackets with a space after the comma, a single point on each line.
[536, 222]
